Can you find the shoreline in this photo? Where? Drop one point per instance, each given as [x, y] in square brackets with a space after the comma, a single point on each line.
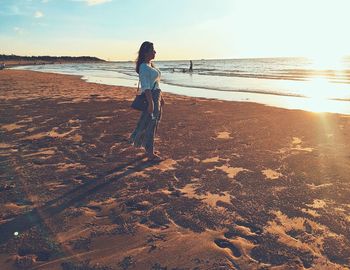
[11, 64]
[181, 95]
[243, 184]
[274, 99]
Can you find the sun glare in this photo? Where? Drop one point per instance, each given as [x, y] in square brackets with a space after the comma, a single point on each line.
[327, 62]
[321, 94]
[319, 105]
[319, 88]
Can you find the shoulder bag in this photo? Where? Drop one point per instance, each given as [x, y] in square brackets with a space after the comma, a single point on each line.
[140, 102]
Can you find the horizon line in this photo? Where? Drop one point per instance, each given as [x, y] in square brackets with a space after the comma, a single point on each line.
[188, 59]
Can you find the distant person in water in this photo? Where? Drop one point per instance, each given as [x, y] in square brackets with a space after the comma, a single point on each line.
[191, 66]
[149, 77]
[2, 66]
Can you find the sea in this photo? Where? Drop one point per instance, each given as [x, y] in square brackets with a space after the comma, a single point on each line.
[292, 83]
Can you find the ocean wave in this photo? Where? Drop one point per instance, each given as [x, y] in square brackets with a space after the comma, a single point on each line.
[253, 91]
[294, 75]
[282, 77]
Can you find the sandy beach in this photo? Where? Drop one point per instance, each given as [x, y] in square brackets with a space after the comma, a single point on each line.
[243, 186]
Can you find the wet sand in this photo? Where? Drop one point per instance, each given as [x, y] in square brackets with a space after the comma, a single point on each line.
[243, 186]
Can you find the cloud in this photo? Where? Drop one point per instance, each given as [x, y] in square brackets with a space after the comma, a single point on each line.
[38, 14]
[18, 30]
[44, 1]
[94, 2]
[11, 10]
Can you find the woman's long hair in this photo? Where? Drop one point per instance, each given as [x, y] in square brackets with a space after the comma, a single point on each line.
[141, 58]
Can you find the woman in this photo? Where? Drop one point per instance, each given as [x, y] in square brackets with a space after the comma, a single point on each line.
[149, 77]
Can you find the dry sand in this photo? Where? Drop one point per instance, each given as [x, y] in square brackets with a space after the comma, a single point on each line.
[244, 186]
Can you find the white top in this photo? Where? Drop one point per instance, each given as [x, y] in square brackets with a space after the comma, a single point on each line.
[148, 75]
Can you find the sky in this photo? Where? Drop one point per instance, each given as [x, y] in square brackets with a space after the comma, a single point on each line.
[179, 29]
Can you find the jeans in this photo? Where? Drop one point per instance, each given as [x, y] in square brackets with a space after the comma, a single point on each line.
[147, 126]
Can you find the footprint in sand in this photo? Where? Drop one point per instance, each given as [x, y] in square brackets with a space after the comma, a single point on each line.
[251, 227]
[222, 243]
[101, 209]
[243, 232]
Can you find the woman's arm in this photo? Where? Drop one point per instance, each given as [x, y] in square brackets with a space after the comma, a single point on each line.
[145, 81]
[149, 98]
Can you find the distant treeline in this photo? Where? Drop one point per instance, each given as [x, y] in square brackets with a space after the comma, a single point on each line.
[12, 57]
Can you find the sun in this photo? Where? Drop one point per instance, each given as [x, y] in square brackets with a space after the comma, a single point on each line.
[321, 90]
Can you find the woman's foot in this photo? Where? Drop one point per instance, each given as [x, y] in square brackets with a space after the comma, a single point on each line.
[154, 157]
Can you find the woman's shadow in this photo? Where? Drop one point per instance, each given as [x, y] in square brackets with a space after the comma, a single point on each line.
[38, 215]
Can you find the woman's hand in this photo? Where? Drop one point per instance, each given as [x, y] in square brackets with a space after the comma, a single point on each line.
[150, 107]
[148, 94]
[162, 102]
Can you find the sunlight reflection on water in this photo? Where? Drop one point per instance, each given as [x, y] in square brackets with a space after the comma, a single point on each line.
[321, 86]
